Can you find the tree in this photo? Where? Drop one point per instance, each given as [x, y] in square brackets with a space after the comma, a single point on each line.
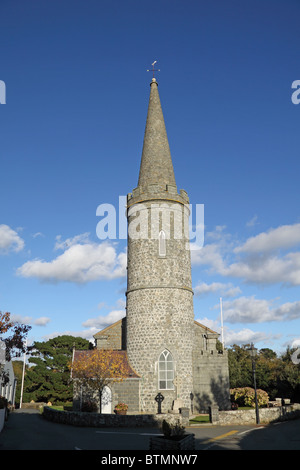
[267, 353]
[97, 368]
[278, 376]
[240, 367]
[18, 366]
[49, 378]
[12, 339]
[288, 377]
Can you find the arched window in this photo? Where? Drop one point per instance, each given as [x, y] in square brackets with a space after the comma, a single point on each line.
[165, 371]
[162, 243]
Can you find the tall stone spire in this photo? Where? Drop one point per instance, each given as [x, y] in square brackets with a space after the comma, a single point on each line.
[156, 164]
[159, 296]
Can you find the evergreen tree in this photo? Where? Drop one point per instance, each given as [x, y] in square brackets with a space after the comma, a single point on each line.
[18, 371]
[49, 378]
[240, 367]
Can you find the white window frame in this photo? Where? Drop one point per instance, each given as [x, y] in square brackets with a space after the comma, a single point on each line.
[166, 371]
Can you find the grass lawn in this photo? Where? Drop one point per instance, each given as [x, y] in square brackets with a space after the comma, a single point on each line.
[200, 419]
[66, 407]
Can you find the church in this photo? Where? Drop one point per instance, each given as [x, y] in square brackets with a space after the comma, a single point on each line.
[165, 350]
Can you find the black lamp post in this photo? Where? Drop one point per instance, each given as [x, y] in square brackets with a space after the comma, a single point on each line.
[253, 352]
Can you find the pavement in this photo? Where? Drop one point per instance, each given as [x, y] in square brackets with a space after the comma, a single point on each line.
[26, 429]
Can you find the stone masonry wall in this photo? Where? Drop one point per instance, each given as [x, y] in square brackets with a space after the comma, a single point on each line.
[112, 337]
[211, 372]
[211, 380]
[266, 415]
[98, 420]
[160, 312]
[125, 391]
[150, 333]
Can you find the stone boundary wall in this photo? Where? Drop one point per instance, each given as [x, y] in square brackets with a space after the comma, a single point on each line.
[233, 417]
[84, 419]
[266, 415]
[33, 405]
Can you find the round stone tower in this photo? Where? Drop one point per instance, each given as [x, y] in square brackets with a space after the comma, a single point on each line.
[159, 297]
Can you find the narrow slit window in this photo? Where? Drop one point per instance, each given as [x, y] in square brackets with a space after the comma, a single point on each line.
[162, 243]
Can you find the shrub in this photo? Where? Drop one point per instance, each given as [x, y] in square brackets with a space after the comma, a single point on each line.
[121, 406]
[3, 403]
[89, 406]
[245, 396]
[172, 430]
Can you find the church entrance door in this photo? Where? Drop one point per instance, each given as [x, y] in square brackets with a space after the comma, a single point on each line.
[106, 400]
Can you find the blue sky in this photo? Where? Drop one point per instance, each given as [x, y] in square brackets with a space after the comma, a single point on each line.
[77, 91]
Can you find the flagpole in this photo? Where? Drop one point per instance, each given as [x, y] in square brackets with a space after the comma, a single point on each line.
[22, 386]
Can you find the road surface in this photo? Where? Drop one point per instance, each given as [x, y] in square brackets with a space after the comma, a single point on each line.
[28, 430]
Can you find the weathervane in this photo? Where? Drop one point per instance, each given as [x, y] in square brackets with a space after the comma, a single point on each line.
[153, 69]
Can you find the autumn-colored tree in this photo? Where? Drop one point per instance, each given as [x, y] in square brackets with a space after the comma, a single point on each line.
[12, 340]
[99, 367]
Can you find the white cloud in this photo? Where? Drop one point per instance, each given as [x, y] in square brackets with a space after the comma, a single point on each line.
[101, 321]
[208, 255]
[267, 269]
[243, 336]
[296, 343]
[252, 222]
[101, 305]
[41, 321]
[212, 324]
[10, 240]
[37, 234]
[287, 311]
[227, 290]
[258, 260]
[79, 263]
[285, 236]
[21, 319]
[217, 234]
[246, 336]
[92, 325]
[86, 334]
[121, 303]
[83, 238]
[117, 312]
[252, 310]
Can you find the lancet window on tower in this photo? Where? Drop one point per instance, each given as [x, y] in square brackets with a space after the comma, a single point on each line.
[162, 243]
[165, 371]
